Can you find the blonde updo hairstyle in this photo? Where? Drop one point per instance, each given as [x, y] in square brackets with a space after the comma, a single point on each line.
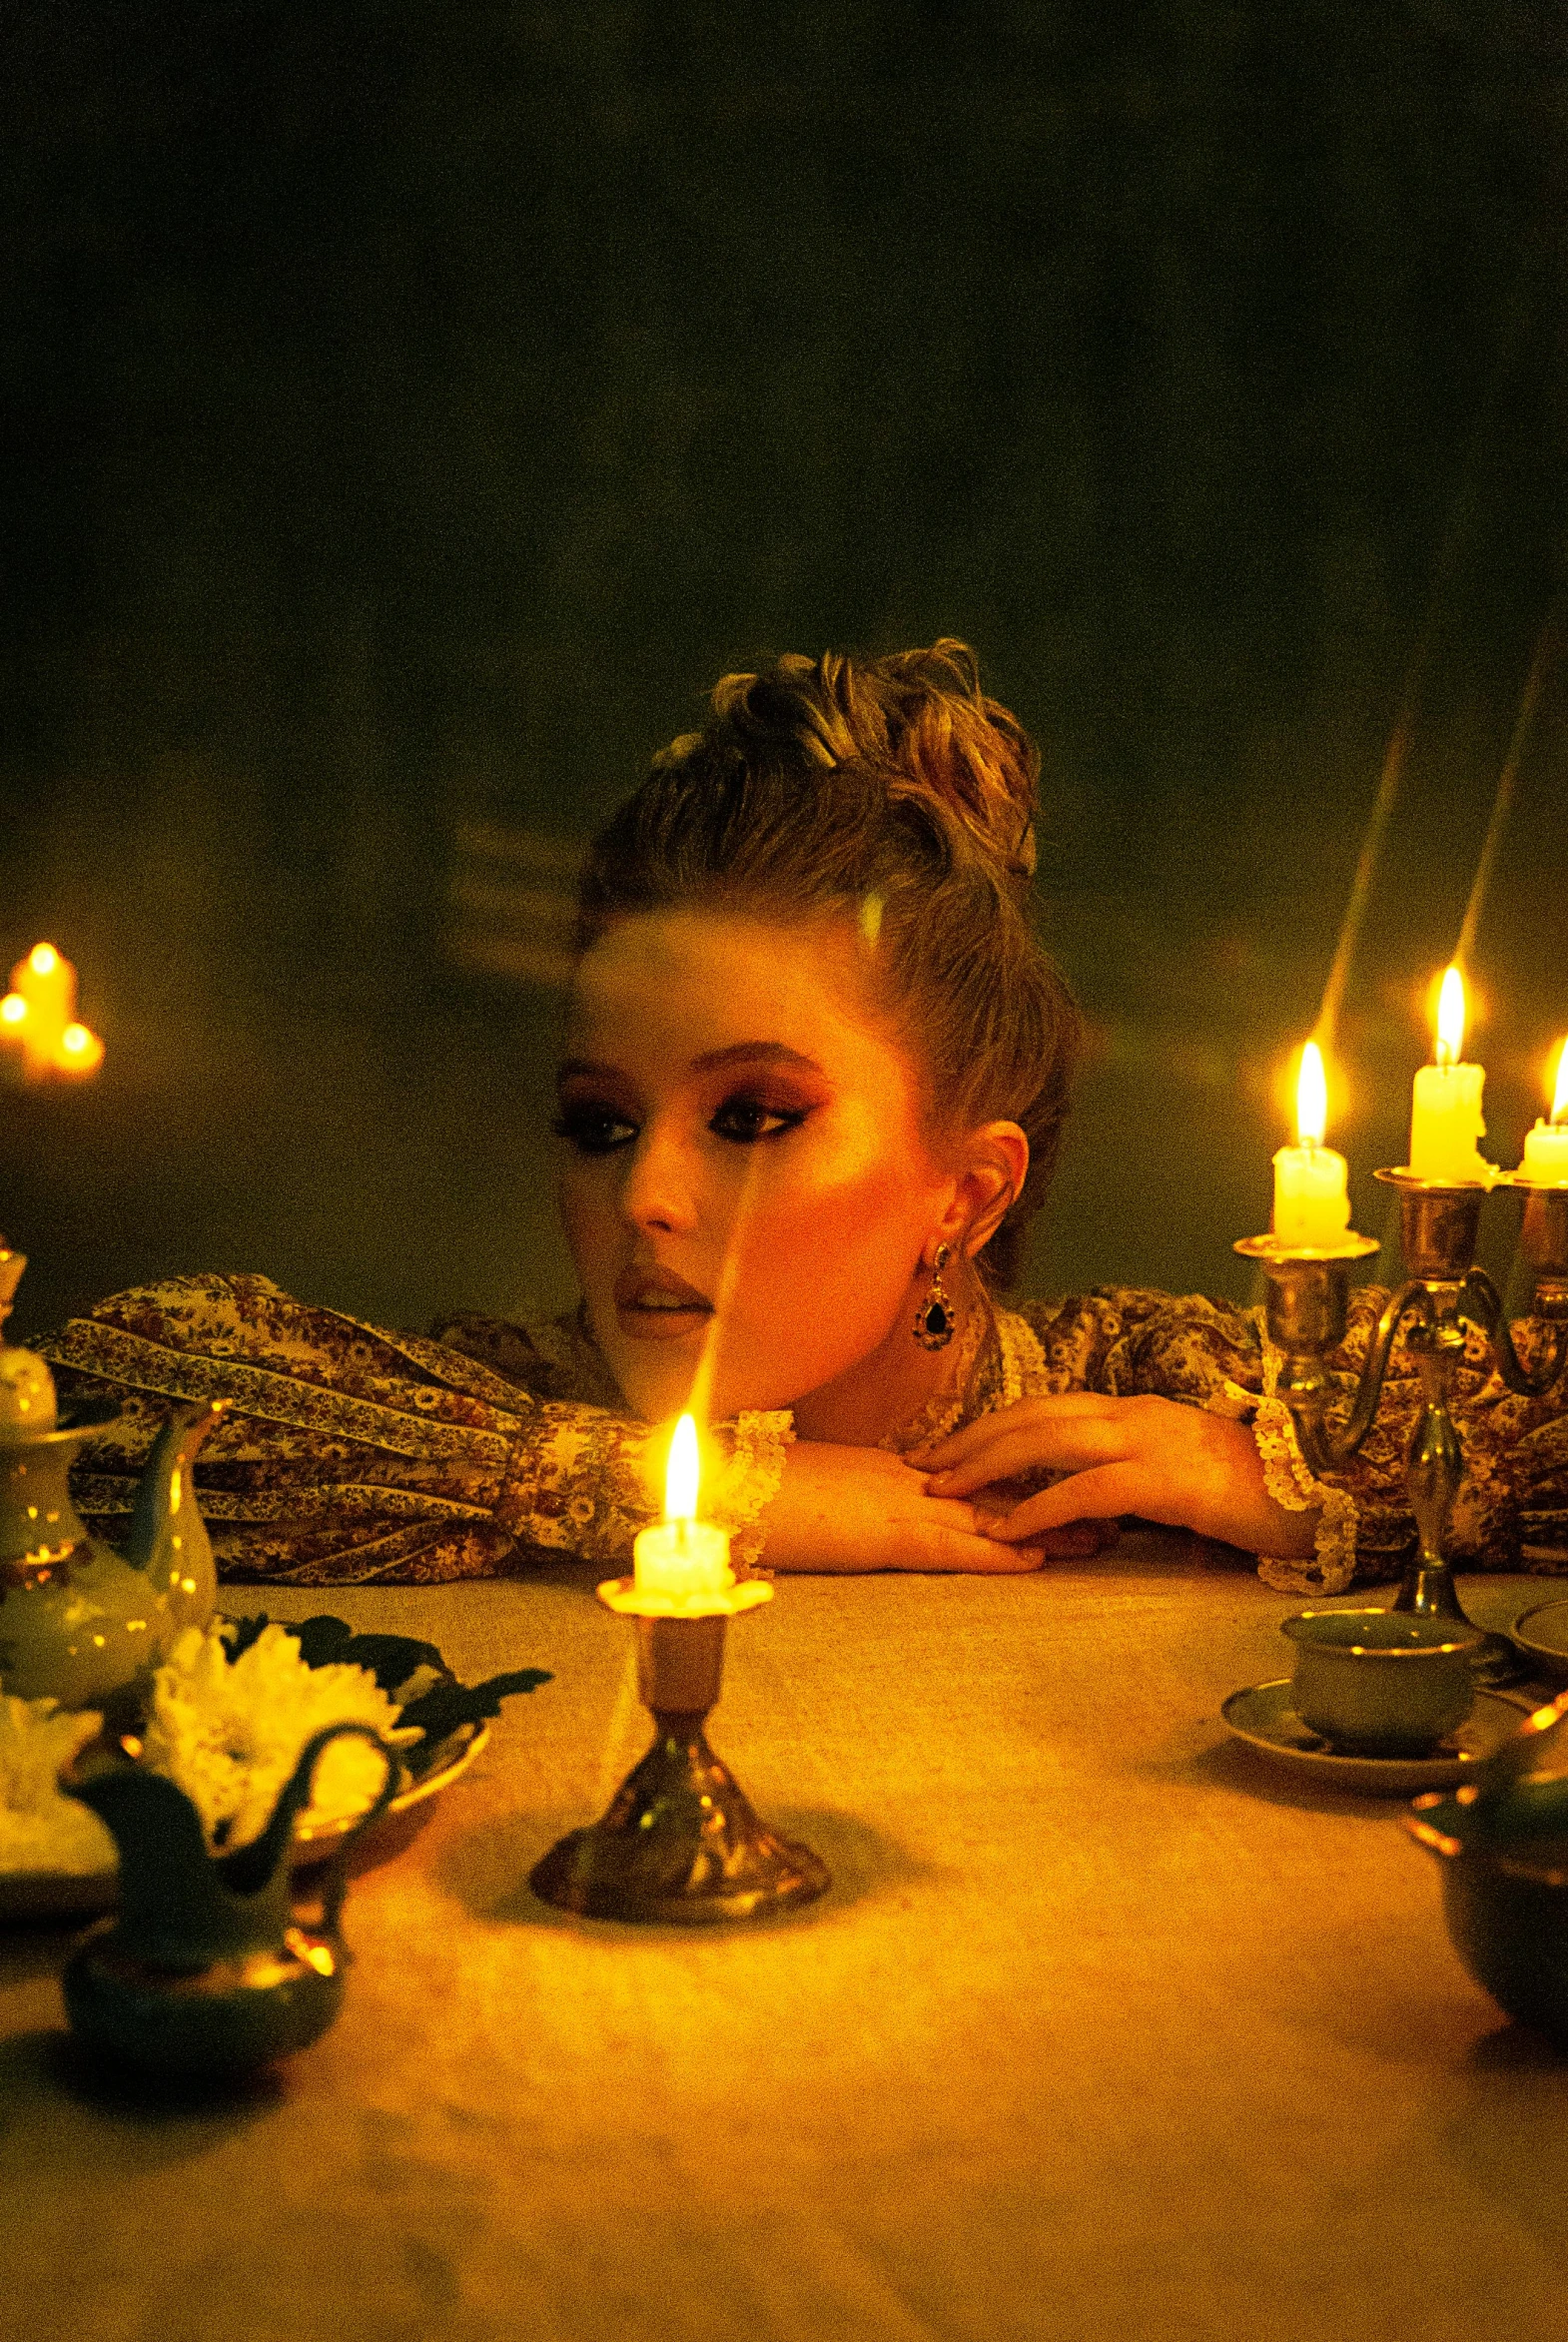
[893, 793]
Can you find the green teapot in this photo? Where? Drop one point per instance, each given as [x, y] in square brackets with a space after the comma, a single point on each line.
[206, 1973]
[78, 1620]
[1502, 1843]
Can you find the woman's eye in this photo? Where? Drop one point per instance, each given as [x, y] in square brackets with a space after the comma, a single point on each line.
[595, 1129]
[746, 1119]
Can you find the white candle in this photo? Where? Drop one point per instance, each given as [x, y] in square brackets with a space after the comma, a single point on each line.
[79, 1053]
[1311, 1201]
[1546, 1147]
[45, 985]
[40, 1013]
[682, 1556]
[1447, 1119]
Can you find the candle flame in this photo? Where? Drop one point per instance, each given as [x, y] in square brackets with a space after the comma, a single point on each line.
[681, 1473]
[13, 1009]
[43, 958]
[1312, 1097]
[1451, 1019]
[1560, 1094]
[80, 1052]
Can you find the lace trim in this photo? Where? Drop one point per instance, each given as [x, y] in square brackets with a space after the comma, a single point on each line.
[751, 1479]
[1290, 1483]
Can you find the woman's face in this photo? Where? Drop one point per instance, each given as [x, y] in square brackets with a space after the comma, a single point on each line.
[744, 1177]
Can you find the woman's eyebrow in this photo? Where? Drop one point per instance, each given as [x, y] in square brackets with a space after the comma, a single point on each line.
[739, 1053]
[590, 1069]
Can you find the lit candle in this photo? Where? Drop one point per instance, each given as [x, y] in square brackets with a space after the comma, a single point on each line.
[682, 1556]
[44, 984]
[40, 1013]
[79, 1053]
[1546, 1147]
[1446, 1121]
[1311, 1204]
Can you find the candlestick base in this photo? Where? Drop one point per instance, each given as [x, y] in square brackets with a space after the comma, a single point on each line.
[679, 1843]
[1428, 1590]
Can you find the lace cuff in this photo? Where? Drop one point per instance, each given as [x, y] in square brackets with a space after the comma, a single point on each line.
[750, 1480]
[580, 1479]
[1289, 1482]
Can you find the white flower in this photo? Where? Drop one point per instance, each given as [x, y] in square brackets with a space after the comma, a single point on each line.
[229, 1733]
[40, 1829]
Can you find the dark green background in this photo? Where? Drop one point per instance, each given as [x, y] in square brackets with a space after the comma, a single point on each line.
[411, 409]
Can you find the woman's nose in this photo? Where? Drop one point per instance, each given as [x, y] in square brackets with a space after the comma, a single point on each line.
[660, 1190]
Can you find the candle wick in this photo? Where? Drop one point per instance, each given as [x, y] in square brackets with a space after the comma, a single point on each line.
[682, 1534]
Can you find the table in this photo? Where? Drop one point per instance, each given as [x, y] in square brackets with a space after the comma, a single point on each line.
[1105, 2030]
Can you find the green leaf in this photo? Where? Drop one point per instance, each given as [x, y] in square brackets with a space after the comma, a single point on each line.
[441, 1709]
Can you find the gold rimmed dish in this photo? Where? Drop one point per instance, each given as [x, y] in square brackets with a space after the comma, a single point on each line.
[1264, 1718]
[83, 1895]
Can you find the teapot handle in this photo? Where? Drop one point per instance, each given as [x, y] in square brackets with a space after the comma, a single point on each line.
[249, 1867]
[298, 1795]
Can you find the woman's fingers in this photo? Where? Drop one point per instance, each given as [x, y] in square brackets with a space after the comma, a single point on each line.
[956, 1446]
[1102, 1493]
[952, 1550]
[1055, 1445]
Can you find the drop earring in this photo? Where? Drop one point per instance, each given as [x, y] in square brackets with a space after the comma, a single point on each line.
[936, 1317]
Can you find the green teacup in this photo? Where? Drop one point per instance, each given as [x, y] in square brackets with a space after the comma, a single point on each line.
[1382, 1683]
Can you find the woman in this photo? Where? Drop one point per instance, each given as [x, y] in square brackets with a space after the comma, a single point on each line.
[814, 1079]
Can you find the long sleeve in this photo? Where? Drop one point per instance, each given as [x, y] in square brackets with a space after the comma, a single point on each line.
[1512, 1509]
[354, 1454]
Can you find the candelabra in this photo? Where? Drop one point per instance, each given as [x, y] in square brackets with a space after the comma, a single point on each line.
[1307, 1305]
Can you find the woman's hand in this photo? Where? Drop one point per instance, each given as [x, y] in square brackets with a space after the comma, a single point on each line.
[861, 1508]
[1153, 1457]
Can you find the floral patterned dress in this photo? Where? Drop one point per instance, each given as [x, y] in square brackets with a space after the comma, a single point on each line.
[355, 1455]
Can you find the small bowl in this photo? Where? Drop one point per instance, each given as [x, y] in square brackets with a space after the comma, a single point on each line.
[1382, 1683]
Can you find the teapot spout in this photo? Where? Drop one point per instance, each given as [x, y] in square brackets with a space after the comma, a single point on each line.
[168, 1538]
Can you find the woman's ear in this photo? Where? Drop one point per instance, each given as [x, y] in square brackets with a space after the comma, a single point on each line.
[992, 1167]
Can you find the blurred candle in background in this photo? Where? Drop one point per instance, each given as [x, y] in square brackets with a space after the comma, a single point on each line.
[1546, 1147]
[1446, 1119]
[39, 1013]
[1311, 1201]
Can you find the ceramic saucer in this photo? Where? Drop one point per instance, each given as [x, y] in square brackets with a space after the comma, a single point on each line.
[1263, 1716]
[1542, 1635]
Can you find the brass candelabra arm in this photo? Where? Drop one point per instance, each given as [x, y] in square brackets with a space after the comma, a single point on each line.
[1330, 1448]
[1481, 1305]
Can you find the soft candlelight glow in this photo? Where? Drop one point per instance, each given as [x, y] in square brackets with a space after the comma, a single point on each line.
[683, 1560]
[1312, 1097]
[1311, 1198]
[1546, 1147]
[1446, 1119]
[683, 1474]
[80, 1052]
[40, 1013]
[1451, 1019]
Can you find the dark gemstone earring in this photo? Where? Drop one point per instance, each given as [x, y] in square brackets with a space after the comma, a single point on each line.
[936, 1317]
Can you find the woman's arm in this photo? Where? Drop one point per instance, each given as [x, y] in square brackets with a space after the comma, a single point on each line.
[1164, 1407]
[1157, 1458]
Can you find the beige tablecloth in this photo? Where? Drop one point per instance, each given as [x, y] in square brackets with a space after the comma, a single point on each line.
[1105, 2030]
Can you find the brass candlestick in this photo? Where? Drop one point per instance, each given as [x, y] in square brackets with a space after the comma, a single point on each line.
[1307, 1305]
[679, 1839]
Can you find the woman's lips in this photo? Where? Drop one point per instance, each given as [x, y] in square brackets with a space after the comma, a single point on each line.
[653, 1305]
